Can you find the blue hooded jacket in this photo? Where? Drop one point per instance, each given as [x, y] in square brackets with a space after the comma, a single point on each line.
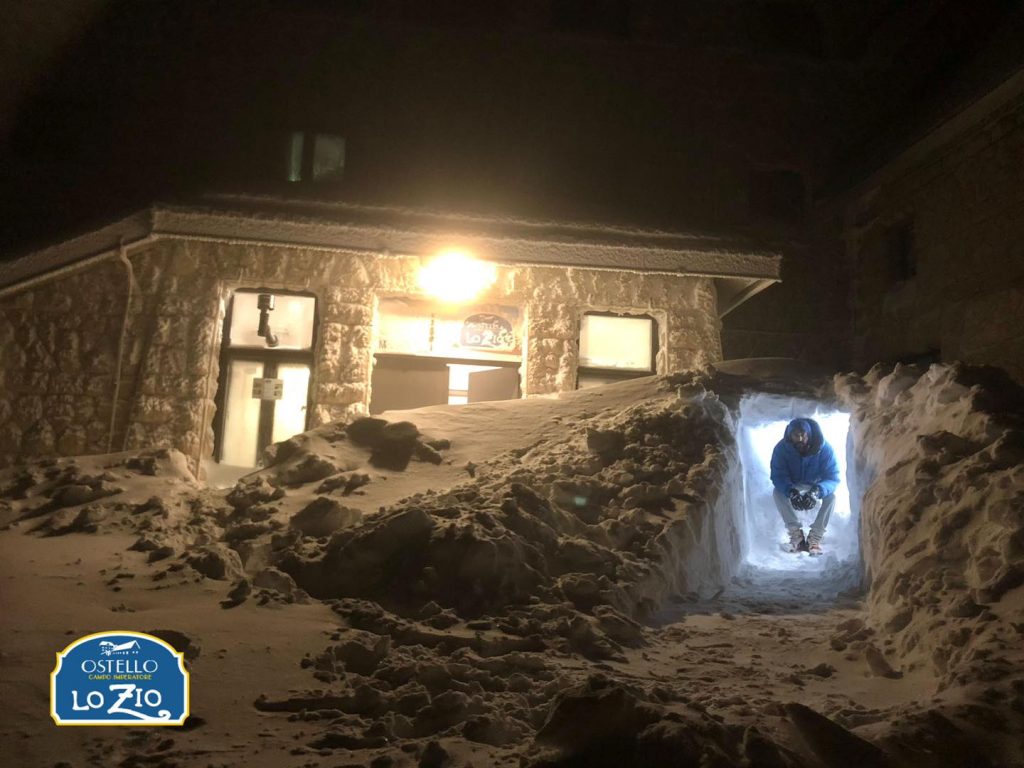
[818, 467]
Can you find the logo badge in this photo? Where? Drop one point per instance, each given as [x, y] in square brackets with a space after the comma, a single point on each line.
[119, 678]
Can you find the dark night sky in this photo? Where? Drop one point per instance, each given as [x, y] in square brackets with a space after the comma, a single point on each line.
[35, 36]
[647, 112]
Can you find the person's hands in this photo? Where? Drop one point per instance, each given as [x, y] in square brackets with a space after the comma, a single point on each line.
[795, 498]
[816, 492]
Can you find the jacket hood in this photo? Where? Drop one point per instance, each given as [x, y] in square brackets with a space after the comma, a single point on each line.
[811, 427]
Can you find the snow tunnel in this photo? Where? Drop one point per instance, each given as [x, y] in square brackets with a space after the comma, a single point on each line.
[762, 534]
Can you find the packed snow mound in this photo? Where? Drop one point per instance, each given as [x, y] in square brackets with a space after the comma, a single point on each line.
[940, 468]
[615, 509]
[79, 494]
[487, 573]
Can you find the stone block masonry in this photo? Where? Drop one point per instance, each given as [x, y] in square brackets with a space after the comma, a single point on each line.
[962, 201]
[70, 386]
[58, 355]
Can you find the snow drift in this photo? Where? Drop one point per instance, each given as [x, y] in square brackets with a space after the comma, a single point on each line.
[621, 508]
[558, 582]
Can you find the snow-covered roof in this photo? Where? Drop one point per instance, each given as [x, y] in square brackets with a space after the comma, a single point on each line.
[400, 231]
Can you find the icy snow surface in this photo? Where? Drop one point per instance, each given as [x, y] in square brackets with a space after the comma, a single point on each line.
[550, 582]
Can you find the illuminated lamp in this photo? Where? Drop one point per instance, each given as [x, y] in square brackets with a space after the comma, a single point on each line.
[456, 277]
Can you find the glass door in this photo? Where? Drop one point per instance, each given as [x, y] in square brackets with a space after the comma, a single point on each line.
[290, 410]
[266, 362]
[265, 403]
[241, 414]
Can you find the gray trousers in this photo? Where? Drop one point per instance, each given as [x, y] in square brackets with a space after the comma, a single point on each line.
[792, 521]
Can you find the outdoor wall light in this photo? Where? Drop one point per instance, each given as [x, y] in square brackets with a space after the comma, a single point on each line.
[265, 304]
[455, 276]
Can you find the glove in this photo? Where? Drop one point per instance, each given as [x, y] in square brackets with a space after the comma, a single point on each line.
[807, 501]
[795, 498]
[816, 492]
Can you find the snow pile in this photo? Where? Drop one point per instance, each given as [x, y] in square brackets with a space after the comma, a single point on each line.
[61, 496]
[940, 471]
[619, 510]
[553, 582]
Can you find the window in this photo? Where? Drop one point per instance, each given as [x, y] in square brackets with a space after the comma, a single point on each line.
[430, 353]
[400, 382]
[478, 332]
[616, 346]
[265, 368]
[899, 251]
[295, 152]
[288, 321]
[315, 157]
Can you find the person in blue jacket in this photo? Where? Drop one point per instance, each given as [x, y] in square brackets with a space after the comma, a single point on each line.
[804, 472]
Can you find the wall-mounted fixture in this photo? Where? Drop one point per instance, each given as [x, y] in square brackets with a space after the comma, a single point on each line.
[265, 304]
[455, 276]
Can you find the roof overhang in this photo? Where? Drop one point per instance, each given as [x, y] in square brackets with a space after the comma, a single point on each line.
[739, 271]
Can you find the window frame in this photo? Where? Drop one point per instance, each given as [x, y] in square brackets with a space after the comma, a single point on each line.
[304, 175]
[269, 357]
[618, 373]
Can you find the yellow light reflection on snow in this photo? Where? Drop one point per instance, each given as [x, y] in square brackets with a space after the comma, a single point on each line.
[456, 277]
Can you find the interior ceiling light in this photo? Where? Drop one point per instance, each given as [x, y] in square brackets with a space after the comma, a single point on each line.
[455, 276]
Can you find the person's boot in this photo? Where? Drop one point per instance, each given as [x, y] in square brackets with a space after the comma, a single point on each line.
[797, 542]
[814, 544]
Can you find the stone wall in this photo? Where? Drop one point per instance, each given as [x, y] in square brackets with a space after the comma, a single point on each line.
[61, 340]
[964, 202]
[170, 372]
[554, 300]
[58, 355]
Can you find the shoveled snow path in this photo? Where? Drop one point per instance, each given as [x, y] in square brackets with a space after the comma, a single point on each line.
[773, 638]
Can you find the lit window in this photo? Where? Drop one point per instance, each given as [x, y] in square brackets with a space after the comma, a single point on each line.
[266, 366]
[328, 156]
[289, 321]
[295, 151]
[614, 347]
[315, 156]
[477, 332]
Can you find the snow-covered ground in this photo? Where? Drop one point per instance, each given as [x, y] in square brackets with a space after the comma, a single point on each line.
[593, 579]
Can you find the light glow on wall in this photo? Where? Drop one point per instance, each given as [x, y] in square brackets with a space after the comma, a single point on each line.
[456, 277]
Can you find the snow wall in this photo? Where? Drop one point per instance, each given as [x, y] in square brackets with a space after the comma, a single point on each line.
[626, 508]
[762, 420]
[939, 469]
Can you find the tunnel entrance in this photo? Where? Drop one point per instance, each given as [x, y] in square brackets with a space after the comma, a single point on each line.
[762, 422]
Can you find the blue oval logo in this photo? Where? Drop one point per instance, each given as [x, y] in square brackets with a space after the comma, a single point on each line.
[119, 678]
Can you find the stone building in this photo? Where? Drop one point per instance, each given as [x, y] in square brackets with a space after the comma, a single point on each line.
[935, 242]
[221, 329]
[877, 148]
